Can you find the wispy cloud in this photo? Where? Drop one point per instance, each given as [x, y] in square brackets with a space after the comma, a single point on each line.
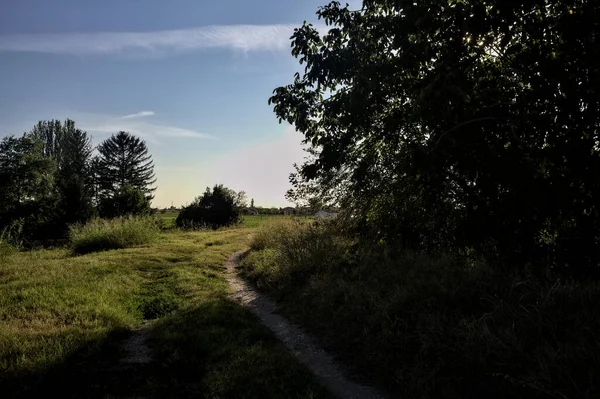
[138, 115]
[237, 37]
[109, 124]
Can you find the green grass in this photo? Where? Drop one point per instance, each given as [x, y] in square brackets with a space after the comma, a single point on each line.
[168, 217]
[253, 221]
[63, 318]
[432, 326]
[102, 235]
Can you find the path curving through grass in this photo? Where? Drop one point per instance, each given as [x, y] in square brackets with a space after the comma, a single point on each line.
[321, 364]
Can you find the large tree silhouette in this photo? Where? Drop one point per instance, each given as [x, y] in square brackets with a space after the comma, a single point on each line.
[457, 124]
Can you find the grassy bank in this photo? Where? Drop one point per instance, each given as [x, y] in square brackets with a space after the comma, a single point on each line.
[65, 317]
[432, 326]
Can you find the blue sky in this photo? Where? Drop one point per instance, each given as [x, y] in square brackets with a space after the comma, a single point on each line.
[191, 77]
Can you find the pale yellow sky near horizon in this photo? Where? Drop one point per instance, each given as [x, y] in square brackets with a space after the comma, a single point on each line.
[261, 170]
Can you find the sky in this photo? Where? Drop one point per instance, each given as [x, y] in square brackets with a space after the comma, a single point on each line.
[191, 77]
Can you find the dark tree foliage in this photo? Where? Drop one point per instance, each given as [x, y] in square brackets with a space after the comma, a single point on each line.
[458, 124]
[124, 161]
[49, 180]
[71, 150]
[75, 177]
[217, 208]
[127, 201]
[27, 195]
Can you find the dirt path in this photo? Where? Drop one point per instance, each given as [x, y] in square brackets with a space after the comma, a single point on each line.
[322, 365]
[136, 348]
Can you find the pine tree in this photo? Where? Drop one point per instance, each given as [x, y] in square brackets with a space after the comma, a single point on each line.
[124, 161]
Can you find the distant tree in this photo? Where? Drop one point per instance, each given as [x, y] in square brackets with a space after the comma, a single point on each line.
[127, 201]
[124, 161]
[217, 208]
[252, 203]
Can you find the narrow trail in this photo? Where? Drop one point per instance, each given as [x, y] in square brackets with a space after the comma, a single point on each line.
[136, 348]
[320, 363]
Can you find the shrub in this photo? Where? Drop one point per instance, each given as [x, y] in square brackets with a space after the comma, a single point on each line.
[217, 208]
[124, 232]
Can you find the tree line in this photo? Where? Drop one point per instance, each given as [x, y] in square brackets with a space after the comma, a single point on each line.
[464, 125]
[53, 176]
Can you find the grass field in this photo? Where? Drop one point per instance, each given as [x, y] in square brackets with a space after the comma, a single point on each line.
[253, 221]
[168, 217]
[250, 221]
[64, 318]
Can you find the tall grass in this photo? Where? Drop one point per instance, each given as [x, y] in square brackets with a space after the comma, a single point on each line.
[11, 238]
[102, 235]
[291, 250]
[433, 326]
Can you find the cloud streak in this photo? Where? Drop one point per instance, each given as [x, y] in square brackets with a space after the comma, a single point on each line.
[236, 37]
[138, 115]
[143, 129]
[109, 124]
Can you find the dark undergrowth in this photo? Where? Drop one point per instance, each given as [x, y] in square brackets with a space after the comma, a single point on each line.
[427, 326]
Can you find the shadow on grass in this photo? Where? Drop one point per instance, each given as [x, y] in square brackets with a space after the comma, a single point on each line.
[92, 371]
[214, 350]
[219, 350]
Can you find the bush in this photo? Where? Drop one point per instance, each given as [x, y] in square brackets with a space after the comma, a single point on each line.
[124, 232]
[432, 326]
[217, 208]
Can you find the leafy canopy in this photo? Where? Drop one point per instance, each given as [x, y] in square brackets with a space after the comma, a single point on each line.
[464, 124]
